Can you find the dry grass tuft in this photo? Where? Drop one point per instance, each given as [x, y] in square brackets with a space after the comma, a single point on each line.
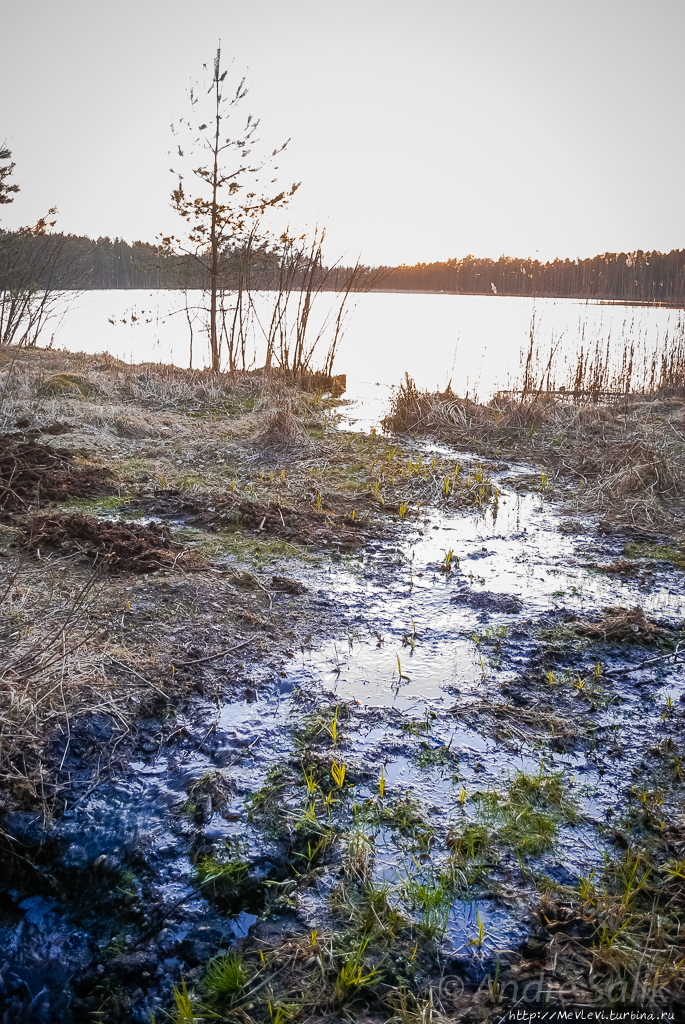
[624, 458]
[623, 624]
[284, 430]
[50, 673]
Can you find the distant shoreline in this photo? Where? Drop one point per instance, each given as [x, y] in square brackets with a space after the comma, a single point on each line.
[650, 303]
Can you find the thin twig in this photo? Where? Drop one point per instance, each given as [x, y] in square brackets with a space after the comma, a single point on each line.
[219, 654]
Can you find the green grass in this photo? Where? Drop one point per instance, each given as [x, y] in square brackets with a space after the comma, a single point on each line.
[101, 507]
[223, 876]
[225, 977]
[429, 896]
[434, 757]
[353, 976]
[368, 906]
[264, 805]
[185, 1009]
[403, 814]
[245, 549]
[527, 818]
[529, 832]
[133, 468]
[470, 840]
[323, 725]
[674, 554]
[561, 637]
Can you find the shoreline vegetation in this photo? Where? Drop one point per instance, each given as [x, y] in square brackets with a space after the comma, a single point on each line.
[613, 432]
[195, 825]
[72, 262]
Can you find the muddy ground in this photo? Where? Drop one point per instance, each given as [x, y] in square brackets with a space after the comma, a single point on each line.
[306, 725]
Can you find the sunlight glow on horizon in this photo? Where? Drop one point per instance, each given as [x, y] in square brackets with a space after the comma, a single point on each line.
[538, 130]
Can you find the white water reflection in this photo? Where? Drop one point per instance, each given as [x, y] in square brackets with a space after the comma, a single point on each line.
[473, 340]
[519, 552]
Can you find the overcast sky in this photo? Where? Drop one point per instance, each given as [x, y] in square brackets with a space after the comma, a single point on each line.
[420, 130]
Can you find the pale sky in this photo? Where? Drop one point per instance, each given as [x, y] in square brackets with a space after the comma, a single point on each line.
[419, 131]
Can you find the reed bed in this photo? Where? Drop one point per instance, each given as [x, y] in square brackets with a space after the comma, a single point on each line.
[621, 451]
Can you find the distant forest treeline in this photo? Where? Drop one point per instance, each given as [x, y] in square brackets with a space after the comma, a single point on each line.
[634, 277]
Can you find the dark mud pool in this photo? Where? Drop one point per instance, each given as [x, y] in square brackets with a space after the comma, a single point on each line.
[452, 791]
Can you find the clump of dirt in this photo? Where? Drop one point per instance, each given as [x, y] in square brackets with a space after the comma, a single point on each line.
[286, 585]
[306, 526]
[32, 473]
[119, 545]
[55, 428]
[622, 624]
[619, 567]
[485, 601]
[300, 525]
[208, 513]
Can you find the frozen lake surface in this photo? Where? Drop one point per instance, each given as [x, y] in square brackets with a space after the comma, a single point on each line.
[474, 341]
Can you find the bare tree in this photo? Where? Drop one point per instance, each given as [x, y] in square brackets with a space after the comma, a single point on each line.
[37, 266]
[295, 333]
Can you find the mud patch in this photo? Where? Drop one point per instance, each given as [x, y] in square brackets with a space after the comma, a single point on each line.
[307, 526]
[485, 601]
[31, 473]
[118, 545]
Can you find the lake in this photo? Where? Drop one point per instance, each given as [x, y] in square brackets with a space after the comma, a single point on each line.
[473, 340]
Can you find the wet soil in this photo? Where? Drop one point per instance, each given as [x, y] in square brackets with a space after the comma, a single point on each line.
[434, 778]
[330, 524]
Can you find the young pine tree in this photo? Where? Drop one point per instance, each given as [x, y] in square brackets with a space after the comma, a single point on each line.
[221, 199]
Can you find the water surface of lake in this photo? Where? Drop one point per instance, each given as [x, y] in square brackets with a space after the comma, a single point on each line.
[473, 340]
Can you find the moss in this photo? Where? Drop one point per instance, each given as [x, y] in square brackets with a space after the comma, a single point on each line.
[101, 507]
[71, 384]
[671, 553]
[231, 542]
